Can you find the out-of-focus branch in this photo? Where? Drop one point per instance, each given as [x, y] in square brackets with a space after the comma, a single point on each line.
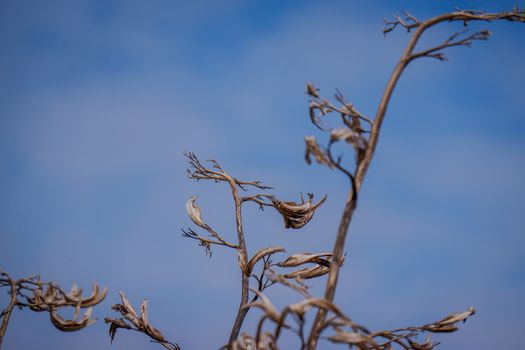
[342, 329]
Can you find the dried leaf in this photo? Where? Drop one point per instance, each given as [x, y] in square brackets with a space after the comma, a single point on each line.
[115, 323]
[71, 325]
[296, 215]
[455, 318]
[309, 272]
[194, 212]
[127, 310]
[150, 330]
[261, 254]
[303, 258]
[311, 90]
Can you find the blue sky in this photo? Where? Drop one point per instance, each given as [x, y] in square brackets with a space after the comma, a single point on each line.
[99, 99]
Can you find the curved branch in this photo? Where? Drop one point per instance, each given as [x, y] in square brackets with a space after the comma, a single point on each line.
[408, 55]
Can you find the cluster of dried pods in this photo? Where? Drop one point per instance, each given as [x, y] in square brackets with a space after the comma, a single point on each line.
[40, 296]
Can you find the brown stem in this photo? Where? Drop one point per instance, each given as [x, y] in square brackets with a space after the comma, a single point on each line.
[363, 165]
[243, 261]
[8, 311]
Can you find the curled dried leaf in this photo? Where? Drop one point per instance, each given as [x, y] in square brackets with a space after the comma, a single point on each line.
[71, 325]
[115, 324]
[455, 318]
[312, 90]
[194, 212]
[296, 215]
[75, 296]
[261, 254]
[427, 345]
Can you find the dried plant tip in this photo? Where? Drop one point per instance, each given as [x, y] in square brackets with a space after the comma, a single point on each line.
[448, 324]
[194, 212]
[296, 215]
[127, 310]
[150, 330]
[115, 324]
[311, 90]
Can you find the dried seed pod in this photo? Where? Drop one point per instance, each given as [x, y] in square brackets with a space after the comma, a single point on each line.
[194, 212]
[303, 258]
[71, 325]
[75, 296]
[455, 318]
[150, 330]
[127, 310]
[296, 215]
[309, 272]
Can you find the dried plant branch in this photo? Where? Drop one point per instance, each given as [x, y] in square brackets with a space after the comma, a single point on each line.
[295, 215]
[198, 171]
[409, 22]
[139, 323]
[344, 330]
[434, 52]
[37, 295]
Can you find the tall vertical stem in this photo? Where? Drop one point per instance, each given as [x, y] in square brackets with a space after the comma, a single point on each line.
[6, 314]
[243, 261]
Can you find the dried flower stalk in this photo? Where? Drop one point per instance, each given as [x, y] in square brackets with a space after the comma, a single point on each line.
[295, 215]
